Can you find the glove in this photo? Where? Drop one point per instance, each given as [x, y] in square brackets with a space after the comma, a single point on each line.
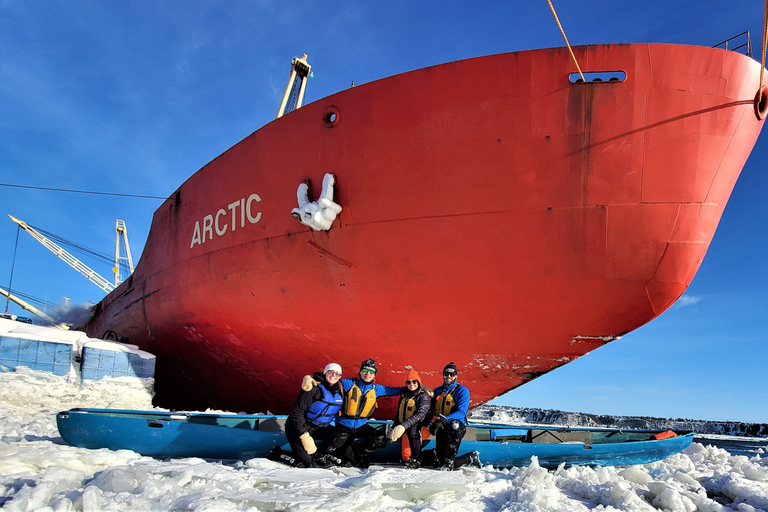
[308, 443]
[308, 383]
[396, 432]
[436, 425]
[428, 391]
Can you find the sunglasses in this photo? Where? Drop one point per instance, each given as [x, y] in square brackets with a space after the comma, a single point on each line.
[368, 370]
[449, 374]
[333, 373]
[409, 382]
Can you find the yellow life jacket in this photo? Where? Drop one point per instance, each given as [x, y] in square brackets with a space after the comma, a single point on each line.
[445, 404]
[406, 409]
[357, 404]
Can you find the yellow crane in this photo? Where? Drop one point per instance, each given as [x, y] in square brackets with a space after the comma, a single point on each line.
[70, 260]
[121, 230]
[32, 309]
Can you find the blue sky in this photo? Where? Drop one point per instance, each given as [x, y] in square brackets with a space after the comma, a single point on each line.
[133, 97]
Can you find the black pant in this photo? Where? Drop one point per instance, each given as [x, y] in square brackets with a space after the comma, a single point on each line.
[343, 438]
[414, 440]
[302, 458]
[447, 442]
[428, 458]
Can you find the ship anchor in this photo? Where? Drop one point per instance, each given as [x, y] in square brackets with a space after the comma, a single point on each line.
[320, 214]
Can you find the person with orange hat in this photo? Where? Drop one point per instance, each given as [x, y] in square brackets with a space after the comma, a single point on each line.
[411, 412]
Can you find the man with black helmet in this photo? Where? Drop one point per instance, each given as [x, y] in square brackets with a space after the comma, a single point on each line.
[449, 410]
[360, 394]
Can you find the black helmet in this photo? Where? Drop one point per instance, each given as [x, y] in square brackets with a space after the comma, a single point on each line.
[368, 364]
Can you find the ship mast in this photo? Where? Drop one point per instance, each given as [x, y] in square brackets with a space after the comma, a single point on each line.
[121, 230]
[70, 260]
[297, 83]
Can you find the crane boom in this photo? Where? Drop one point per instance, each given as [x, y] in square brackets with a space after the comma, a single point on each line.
[121, 230]
[32, 309]
[70, 260]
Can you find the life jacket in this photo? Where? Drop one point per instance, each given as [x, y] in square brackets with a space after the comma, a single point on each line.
[445, 403]
[406, 408]
[323, 411]
[358, 404]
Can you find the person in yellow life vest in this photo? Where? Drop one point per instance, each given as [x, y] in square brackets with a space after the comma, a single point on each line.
[449, 410]
[360, 394]
[412, 410]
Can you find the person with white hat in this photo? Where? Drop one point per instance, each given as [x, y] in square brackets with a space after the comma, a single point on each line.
[360, 395]
[316, 407]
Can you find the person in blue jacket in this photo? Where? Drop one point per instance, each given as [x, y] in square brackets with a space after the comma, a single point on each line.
[450, 405]
[310, 418]
[360, 394]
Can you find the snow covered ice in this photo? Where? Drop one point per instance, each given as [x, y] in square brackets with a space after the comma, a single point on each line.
[39, 471]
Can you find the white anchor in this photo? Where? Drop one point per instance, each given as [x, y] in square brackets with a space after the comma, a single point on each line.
[320, 214]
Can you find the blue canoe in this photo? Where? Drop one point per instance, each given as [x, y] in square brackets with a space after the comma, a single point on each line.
[172, 434]
[244, 436]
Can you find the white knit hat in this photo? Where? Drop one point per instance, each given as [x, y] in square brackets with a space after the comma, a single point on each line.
[333, 366]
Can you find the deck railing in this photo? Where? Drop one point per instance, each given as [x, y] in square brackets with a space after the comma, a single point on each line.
[742, 40]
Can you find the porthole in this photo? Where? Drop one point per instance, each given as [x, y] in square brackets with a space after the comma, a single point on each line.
[331, 116]
[598, 76]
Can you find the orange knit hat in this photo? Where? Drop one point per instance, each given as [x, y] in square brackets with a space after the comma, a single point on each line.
[412, 375]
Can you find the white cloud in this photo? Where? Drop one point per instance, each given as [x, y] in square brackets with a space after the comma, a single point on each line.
[687, 300]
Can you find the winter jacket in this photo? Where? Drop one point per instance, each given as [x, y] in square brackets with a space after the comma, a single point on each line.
[355, 422]
[422, 407]
[299, 413]
[461, 397]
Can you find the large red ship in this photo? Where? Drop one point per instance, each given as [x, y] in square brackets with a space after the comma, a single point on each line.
[493, 212]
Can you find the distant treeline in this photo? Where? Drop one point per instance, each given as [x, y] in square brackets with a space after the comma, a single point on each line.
[503, 414]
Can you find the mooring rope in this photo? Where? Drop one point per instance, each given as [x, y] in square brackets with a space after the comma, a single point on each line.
[762, 50]
[568, 44]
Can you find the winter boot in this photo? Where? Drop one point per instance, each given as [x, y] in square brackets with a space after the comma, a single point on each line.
[322, 461]
[474, 460]
[448, 466]
[411, 464]
[335, 461]
[287, 459]
[274, 453]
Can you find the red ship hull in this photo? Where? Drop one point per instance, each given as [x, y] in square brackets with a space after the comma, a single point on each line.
[494, 214]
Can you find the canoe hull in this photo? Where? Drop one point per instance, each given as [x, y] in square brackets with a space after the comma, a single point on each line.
[170, 434]
[552, 455]
[233, 436]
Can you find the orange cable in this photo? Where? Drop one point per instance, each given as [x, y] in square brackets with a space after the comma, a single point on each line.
[569, 46]
[762, 50]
